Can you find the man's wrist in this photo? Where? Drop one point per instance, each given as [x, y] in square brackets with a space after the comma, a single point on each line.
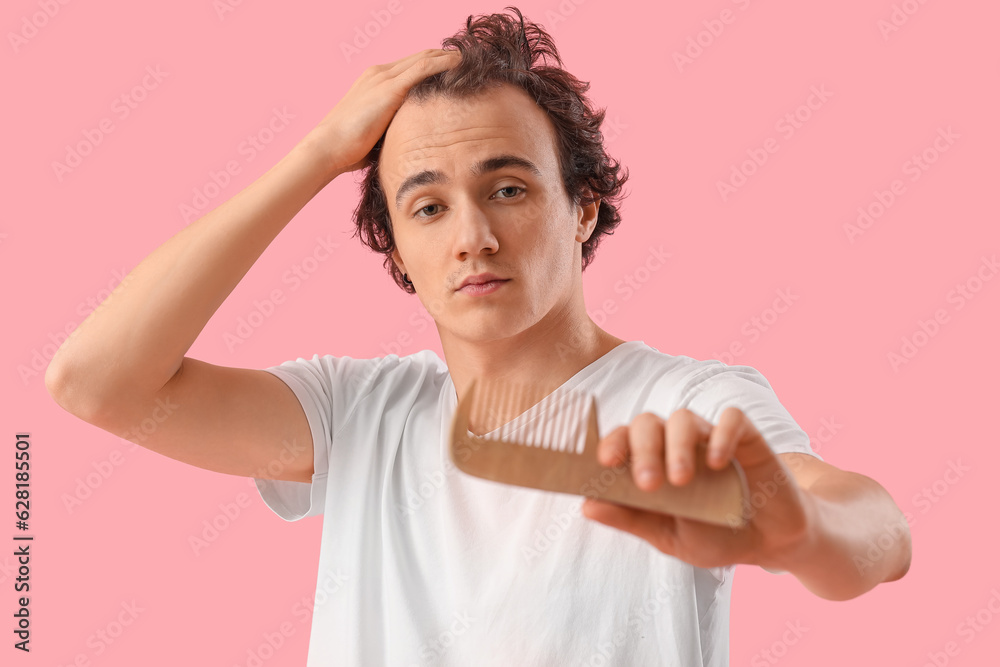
[801, 550]
[317, 151]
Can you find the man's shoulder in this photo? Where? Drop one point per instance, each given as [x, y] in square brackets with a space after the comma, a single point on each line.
[642, 359]
[363, 374]
[427, 358]
[681, 377]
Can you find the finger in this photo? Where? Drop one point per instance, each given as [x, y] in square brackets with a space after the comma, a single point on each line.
[421, 69]
[449, 56]
[613, 449]
[646, 445]
[738, 436]
[660, 530]
[726, 435]
[685, 430]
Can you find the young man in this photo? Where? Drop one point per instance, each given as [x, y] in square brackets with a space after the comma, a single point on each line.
[487, 189]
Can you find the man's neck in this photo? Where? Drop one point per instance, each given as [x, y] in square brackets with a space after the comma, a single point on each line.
[542, 360]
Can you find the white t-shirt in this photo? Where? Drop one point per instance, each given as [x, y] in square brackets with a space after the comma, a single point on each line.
[421, 564]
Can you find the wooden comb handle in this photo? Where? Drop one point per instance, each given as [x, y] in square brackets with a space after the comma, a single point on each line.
[712, 496]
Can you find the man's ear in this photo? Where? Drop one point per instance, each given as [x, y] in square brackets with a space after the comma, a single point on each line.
[398, 261]
[586, 218]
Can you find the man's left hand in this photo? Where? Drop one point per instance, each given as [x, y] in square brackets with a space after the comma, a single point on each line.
[655, 447]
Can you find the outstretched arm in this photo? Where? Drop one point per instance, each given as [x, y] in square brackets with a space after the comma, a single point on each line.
[857, 536]
[808, 517]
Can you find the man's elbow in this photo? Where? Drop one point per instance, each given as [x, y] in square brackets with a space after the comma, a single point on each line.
[73, 394]
[905, 556]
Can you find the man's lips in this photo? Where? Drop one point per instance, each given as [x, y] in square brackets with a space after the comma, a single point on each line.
[481, 278]
[483, 288]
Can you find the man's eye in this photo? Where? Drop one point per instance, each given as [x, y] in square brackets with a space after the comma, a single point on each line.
[518, 189]
[417, 214]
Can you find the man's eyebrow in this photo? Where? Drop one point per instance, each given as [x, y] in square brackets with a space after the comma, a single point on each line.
[486, 166]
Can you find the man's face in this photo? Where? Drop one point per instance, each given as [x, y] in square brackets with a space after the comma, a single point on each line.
[455, 220]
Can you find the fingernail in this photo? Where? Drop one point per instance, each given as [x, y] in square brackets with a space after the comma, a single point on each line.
[646, 476]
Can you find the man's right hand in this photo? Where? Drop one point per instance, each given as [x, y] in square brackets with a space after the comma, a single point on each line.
[347, 134]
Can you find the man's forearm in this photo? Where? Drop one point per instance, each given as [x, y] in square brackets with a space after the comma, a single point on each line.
[857, 538]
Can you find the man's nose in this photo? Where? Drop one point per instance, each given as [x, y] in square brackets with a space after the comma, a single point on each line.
[474, 230]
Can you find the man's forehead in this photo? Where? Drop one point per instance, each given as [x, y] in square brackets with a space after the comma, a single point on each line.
[440, 120]
[425, 134]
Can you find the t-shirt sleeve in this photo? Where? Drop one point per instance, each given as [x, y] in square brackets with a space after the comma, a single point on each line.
[717, 386]
[328, 388]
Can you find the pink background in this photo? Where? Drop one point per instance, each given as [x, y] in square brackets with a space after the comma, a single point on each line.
[680, 130]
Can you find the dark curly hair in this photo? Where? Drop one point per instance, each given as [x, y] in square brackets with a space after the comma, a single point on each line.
[498, 49]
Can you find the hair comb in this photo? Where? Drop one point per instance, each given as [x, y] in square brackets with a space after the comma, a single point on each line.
[553, 447]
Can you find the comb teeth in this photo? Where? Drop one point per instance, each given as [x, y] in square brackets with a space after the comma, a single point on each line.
[554, 421]
[551, 424]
